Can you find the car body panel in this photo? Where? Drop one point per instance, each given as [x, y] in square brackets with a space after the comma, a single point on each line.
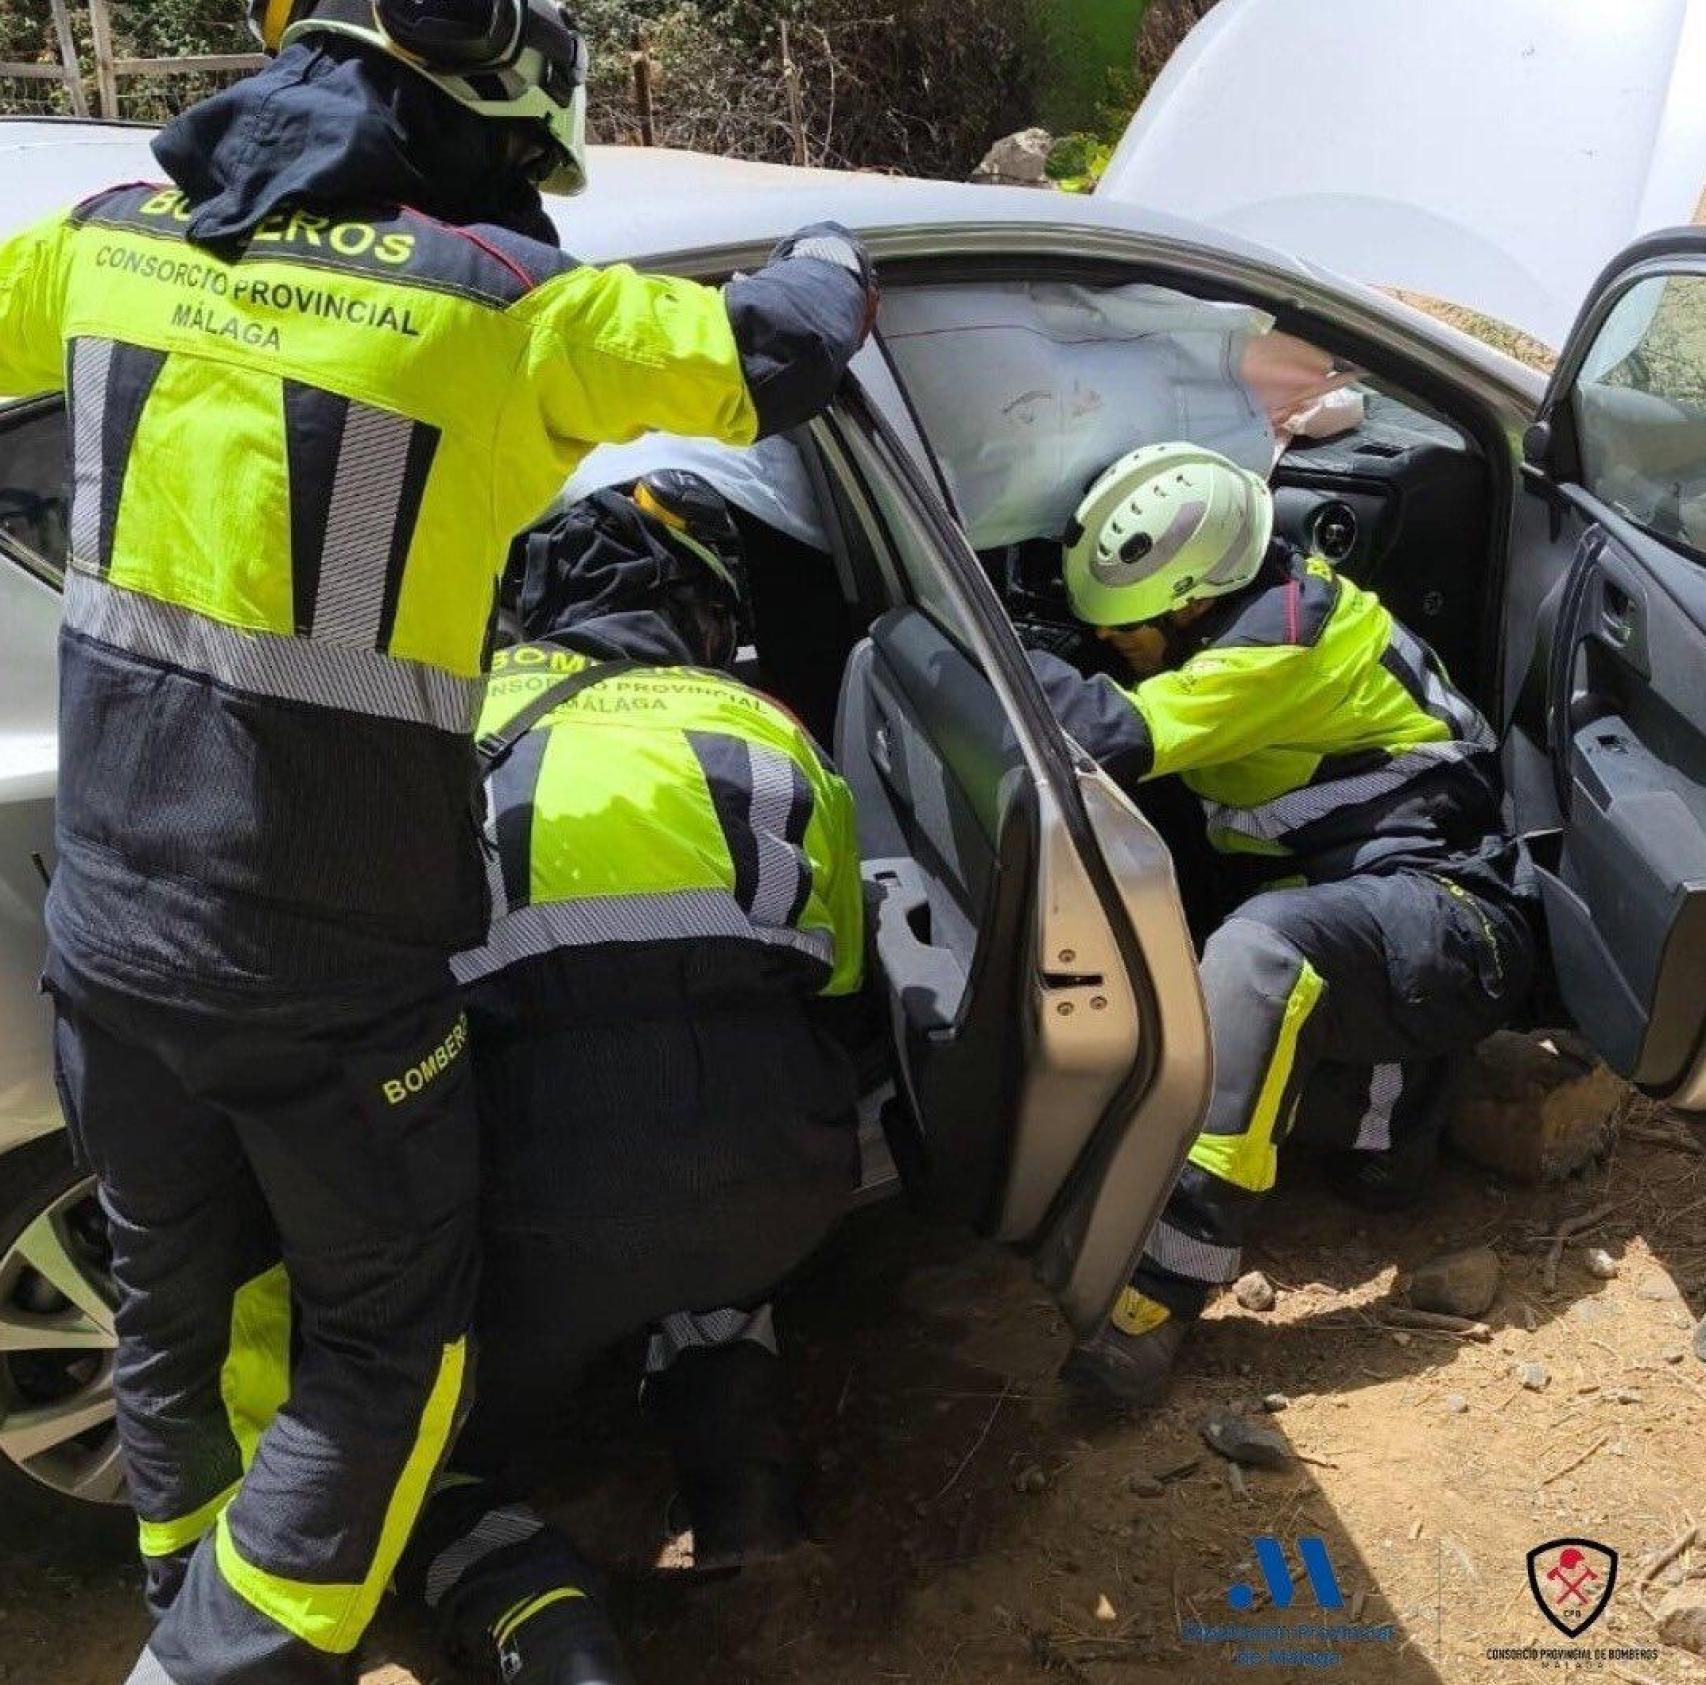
[1492, 155]
[29, 621]
[700, 215]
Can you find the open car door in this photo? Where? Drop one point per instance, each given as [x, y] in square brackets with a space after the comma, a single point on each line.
[1048, 1024]
[1606, 663]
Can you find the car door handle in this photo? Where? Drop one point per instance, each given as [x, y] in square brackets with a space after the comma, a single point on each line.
[882, 754]
[1617, 612]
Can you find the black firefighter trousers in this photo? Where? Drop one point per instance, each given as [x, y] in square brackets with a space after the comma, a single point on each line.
[1360, 989]
[292, 1199]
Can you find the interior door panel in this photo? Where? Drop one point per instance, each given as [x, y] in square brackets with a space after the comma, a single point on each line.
[1626, 717]
[1605, 663]
[947, 830]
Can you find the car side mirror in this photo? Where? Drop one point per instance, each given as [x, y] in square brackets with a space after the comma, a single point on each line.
[1537, 444]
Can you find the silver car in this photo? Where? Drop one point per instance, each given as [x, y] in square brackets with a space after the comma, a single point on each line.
[1049, 1052]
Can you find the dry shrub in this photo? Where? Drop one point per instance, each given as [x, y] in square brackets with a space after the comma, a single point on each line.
[1165, 26]
[919, 87]
[916, 86]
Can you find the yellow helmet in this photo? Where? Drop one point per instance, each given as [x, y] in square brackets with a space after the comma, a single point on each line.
[509, 60]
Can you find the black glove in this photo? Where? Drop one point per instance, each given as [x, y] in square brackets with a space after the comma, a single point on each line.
[829, 242]
[1071, 643]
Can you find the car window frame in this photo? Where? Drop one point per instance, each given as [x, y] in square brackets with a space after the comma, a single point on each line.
[1553, 447]
[1057, 764]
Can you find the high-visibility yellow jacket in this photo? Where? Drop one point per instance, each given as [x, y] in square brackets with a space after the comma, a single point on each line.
[1322, 737]
[297, 474]
[665, 806]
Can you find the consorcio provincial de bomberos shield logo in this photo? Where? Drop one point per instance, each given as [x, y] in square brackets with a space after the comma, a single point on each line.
[1572, 1580]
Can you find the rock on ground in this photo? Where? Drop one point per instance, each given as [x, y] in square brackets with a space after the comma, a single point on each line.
[1019, 160]
[1457, 1283]
[1243, 1441]
[1533, 1112]
[1600, 1264]
[1254, 1291]
[1682, 1619]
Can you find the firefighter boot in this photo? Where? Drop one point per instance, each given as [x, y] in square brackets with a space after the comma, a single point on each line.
[1129, 1361]
[725, 1411]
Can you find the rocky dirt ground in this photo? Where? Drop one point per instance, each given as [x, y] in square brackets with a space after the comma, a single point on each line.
[976, 1524]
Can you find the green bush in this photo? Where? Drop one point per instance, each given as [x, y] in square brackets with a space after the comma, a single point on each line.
[1076, 162]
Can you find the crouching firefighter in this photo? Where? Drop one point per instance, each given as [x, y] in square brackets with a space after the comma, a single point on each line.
[317, 382]
[1379, 912]
[667, 1121]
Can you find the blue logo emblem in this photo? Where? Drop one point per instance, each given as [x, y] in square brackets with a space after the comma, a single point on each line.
[1282, 1588]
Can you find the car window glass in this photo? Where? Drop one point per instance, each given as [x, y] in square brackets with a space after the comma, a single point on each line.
[1027, 390]
[35, 503]
[1640, 409]
[915, 554]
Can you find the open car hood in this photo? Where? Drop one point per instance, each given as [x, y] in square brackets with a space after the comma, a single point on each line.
[1491, 153]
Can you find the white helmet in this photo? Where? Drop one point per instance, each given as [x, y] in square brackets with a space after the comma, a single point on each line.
[1165, 526]
[509, 60]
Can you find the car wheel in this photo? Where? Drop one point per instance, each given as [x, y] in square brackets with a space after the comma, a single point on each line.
[61, 1469]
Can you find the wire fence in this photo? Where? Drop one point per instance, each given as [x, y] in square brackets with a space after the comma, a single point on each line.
[30, 97]
[108, 58]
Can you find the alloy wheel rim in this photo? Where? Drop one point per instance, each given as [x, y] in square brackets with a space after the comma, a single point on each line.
[58, 1419]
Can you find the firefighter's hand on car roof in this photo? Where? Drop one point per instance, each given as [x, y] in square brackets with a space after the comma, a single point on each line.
[829, 242]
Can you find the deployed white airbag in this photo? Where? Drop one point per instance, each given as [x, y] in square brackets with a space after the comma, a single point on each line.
[1027, 391]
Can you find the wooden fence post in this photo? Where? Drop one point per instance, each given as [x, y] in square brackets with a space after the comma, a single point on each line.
[643, 88]
[106, 76]
[796, 110]
[68, 57]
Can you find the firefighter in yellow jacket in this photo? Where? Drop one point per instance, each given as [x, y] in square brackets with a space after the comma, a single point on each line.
[667, 1113]
[316, 382]
[1379, 914]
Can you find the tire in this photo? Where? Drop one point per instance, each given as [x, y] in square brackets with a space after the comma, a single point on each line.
[61, 1479]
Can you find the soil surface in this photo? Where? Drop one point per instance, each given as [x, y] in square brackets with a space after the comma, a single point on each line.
[977, 1524]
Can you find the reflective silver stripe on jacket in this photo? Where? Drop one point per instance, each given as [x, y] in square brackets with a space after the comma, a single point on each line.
[91, 367]
[1275, 820]
[784, 871]
[360, 681]
[1417, 668]
[361, 526]
[676, 916]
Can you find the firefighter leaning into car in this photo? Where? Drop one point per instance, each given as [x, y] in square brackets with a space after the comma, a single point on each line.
[1378, 909]
[667, 1117]
[316, 385]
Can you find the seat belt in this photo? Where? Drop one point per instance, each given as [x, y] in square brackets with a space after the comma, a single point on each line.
[495, 747]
